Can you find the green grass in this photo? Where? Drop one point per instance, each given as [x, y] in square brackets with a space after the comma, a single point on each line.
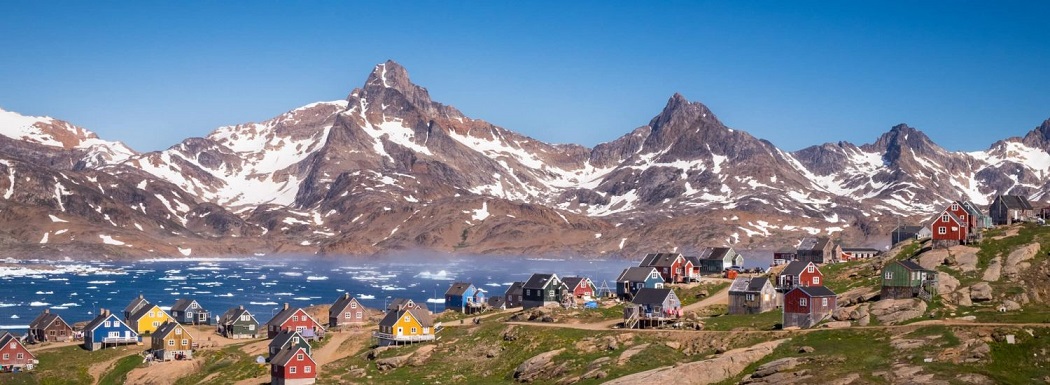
[688, 294]
[119, 373]
[70, 364]
[224, 366]
[762, 321]
[836, 352]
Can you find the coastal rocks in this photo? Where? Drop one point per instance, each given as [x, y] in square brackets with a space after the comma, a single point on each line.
[711, 371]
[994, 270]
[893, 311]
[539, 367]
[981, 292]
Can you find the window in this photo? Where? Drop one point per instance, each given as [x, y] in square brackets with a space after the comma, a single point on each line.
[52, 332]
[408, 319]
[295, 318]
[108, 324]
[816, 280]
[193, 305]
[171, 342]
[185, 342]
[178, 332]
[749, 297]
[20, 356]
[295, 340]
[358, 314]
[298, 357]
[353, 305]
[251, 327]
[291, 369]
[824, 302]
[245, 317]
[346, 315]
[810, 269]
[889, 275]
[426, 330]
[802, 302]
[7, 356]
[307, 369]
[299, 329]
[414, 330]
[955, 206]
[942, 230]
[944, 218]
[156, 323]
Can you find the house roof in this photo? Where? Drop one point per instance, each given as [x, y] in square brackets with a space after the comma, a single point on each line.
[515, 288]
[573, 282]
[816, 291]
[6, 338]
[785, 250]
[143, 311]
[184, 304]
[169, 327]
[795, 268]
[748, 284]
[286, 355]
[635, 274]
[539, 281]
[458, 288]
[693, 259]
[282, 338]
[717, 253]
[287, 313]
[909, 229]
[45, 319]
[659, 259]
[911, 265]
[1016, 202]
[102, 317]
[399, 303]
[234, 314]
[343, 303]
[859, 249]
[135, 304]
[648, 295]
[497, 301]
[419, 314]
[814, 243]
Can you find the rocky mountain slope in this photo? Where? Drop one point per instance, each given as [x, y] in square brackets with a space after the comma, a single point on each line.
[389, 169]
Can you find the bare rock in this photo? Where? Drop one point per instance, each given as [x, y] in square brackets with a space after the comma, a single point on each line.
[965, 258]
[374, 353]
[385, 364]
[946, 283]
[994, 270]
[625, 357]
[598, 362]
[981, 292]
[673, 345]
[894, 311]
[420, 357]
[856, 296]
[961, 297]
[777, 366]
[806, 349]
[864, 320]
[1009, 305]
[1016, 261]
[704, 372]
[539, 367]
[976, 379]
[839, 324]
[933, 258]
[841, 314]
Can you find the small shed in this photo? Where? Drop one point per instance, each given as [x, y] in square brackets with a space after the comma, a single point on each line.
[751, 295]
[805, 307]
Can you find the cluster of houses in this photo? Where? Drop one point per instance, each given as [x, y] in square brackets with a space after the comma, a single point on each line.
[962, 222]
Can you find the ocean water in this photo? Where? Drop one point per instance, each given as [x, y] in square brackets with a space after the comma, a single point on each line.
[77, 290]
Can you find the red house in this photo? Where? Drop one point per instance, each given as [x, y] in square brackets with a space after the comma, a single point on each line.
[798, 273]
[807, 306]
[670, 265]
[14, 355]
[580, 286]
[294, 319]
[953, 226]
[293, 366]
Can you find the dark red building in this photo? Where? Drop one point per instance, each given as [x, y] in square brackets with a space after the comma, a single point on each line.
[807, 306]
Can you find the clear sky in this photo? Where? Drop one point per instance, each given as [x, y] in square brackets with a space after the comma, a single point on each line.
[796, 73]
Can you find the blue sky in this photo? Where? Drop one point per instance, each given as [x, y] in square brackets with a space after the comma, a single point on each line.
[795, 73]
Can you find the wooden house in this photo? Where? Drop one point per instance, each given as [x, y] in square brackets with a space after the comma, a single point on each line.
[515, 295]
[906, 279]
[652, 307]
[347, 311]
[580, 287]
[401, 304]
[633, 279]
[188, 311]
[497, 302]
[148, 318]
[136, 304]
[818, 250]
[287, 339]
[107, 330]
[856, 253]
[465, 298]
[784, 255]
[1008, 209]
[294, 319]
[692, 268]
[293, 366]
[798, 273]
[905, 233]
[49, 327]
[751, 295]
[715, 260]
[805, 307]
[238, 323]
[14, 355]
[670, 265]
[171, 341]
[954, 226]
[406, 326]
[981, 219]
[543, 290]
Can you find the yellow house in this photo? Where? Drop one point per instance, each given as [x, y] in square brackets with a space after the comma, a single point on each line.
[406, 325]
[148, 319]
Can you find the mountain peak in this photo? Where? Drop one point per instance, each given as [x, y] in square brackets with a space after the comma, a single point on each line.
[1040, 136]
[902, 137]
[681, 110]
[389, 74]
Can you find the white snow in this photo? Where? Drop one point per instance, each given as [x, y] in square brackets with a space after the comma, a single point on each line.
[11, 178]
[482, 213]
[56, 219]
[109, 240]
[44, 239]
[185, 252]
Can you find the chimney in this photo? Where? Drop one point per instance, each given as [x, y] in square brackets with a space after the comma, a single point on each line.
[286, 306]
[47, 311]
[240, 307]
[346, 295]
[140, 296]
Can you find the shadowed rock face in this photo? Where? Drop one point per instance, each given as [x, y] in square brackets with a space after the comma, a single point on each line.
[390, 169]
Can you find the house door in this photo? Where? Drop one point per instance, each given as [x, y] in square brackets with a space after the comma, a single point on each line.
[400, 331]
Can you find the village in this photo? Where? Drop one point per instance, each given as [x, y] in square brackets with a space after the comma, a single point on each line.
[648, 296]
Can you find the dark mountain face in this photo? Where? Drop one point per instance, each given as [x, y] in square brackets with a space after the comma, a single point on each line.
[389, 169]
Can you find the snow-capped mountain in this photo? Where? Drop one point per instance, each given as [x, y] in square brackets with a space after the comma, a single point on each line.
[390, 169]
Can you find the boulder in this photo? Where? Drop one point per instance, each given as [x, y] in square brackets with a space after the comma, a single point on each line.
[1009, 305]
[994, 270]
[385, 364]
[420, 357]
[841, 314]
[933, 258]
[837, 324]
[539, 367]
[712, 371]
[1016, 261]
[856, 296]
[981, 292]
[946, 283]
[776, 366]
[961, 297]
[893, 311]
[965, 258]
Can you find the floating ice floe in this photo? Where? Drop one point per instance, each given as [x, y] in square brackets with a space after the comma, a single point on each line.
[366, 296]
[38, 304]
[316, 278]
[439, 276]
[263, 303]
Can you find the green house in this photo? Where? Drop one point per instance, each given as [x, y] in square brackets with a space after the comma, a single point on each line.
[906, 279]
[238, 323]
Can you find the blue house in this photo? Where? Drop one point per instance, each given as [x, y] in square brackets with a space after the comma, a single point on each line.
[465, 297]
[108, 330]
[633, 279]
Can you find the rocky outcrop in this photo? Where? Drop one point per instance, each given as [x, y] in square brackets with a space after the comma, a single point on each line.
[711, 371]
[539, 367]
[994, 270]
[894, 311]
[981, 292]
[1018, 259]
[965, 258]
